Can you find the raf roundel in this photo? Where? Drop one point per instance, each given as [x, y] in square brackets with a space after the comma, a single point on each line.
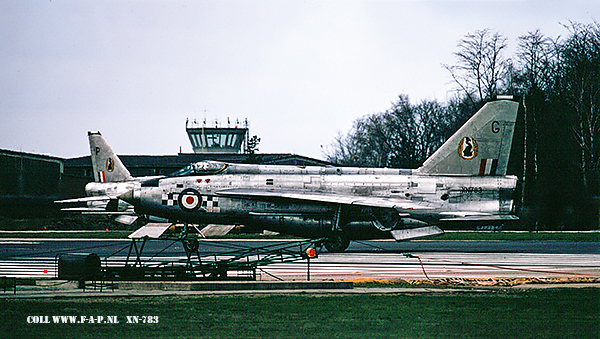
[189, 200]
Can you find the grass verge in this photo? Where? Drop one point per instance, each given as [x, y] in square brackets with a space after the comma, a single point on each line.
[493, 313]
[519, 236]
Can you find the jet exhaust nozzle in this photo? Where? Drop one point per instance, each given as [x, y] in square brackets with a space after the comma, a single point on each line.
[127, 197]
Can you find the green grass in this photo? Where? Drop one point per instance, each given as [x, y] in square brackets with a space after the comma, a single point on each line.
[539, 313]
[519, 236]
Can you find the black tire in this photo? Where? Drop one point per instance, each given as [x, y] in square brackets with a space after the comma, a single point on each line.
[337, 243]
[191, 245]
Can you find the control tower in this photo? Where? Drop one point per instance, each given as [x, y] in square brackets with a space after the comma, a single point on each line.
[218, 139]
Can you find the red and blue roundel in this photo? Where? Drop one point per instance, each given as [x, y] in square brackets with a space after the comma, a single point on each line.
[189, 200]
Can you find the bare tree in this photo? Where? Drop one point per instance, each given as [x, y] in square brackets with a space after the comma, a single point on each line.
[402, 136]
[578, 83]
[536, 60]
[559, 132]
[480, 66]
[537, 57]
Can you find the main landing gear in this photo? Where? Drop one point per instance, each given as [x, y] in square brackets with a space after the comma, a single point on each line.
[337, 242]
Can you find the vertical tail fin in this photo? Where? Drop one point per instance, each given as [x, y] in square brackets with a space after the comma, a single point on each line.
[106, 164]
[481, 146]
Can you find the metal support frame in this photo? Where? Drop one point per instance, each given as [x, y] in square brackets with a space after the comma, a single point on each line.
[215, 265]
[138, 253]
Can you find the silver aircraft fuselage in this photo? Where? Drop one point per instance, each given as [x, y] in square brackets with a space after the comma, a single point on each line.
[306, 200]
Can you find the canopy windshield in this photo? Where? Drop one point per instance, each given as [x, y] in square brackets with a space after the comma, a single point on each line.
[200, 168]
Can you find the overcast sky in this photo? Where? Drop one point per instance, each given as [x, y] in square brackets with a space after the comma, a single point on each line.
[299, 71]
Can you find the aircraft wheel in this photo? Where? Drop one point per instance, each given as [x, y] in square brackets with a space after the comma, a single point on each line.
[337, 243]
[191, 245]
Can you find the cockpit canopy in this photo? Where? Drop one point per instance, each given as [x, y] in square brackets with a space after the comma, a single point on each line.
[209, 167]
[200, 168]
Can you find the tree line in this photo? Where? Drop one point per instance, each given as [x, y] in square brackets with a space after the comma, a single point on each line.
[557, 139]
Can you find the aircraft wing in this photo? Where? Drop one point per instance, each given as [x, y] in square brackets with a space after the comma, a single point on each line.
[401, 205]
[406, 208]
[101, 204]
[473, 216]
[96, 210]
[86, 199]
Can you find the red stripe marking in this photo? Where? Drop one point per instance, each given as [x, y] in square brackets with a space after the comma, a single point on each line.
[482, 167]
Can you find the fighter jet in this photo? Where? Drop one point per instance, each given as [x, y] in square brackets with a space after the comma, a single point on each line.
[464, 180]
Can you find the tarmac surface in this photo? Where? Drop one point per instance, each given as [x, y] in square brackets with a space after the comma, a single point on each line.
[450, 264]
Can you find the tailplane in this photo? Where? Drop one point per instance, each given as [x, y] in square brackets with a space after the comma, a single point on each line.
[106, 164]
[481, 146]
